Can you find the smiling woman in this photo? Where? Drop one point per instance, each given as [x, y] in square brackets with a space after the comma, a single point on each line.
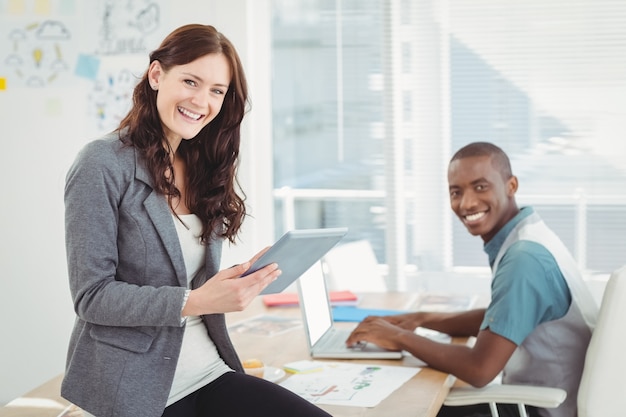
[148, 208]
[194, 89]
[189, 96]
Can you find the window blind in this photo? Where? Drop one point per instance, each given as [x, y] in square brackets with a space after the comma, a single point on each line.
[371, 98]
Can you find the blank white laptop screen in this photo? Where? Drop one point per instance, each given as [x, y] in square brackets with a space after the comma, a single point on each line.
[314, 301]
[318, 323]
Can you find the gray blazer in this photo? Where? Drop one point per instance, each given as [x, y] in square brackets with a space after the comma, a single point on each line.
[127, 280]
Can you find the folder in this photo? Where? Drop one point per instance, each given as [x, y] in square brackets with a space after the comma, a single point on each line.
[355, 314]
[288, 299]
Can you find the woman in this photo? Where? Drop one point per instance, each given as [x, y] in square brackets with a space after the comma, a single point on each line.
[147, 210]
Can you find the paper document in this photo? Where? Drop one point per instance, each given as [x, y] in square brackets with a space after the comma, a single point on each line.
[265, 325]
[445, 302]
[357, 385]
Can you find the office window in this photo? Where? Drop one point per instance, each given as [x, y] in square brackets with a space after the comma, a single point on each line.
[371, 98]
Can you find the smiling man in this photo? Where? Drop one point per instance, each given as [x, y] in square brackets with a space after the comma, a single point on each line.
[538, 324]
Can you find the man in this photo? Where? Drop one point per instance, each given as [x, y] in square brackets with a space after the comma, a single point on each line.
[539, 321]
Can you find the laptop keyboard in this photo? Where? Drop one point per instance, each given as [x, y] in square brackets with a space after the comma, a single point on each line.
[335, 341]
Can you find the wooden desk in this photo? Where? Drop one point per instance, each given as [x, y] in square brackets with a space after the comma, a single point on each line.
[421, 396]
[43, 401]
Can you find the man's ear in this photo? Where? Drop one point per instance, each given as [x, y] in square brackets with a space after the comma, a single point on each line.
[154, 74]
[511, 186]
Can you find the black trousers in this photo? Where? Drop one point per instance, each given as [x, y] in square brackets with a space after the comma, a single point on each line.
[236, 394]
[482, 410]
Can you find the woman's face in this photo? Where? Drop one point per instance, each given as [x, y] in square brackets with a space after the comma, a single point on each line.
[189, 96]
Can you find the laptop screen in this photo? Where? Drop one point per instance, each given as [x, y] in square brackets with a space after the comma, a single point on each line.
[316, 310]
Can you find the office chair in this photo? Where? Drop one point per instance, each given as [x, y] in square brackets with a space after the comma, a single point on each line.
[602, 391]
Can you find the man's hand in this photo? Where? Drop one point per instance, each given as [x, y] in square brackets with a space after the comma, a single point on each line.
[377, 330]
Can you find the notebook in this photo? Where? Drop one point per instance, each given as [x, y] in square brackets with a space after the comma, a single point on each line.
[324, 339]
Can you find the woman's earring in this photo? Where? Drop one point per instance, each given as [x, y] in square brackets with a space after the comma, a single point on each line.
[154, 87]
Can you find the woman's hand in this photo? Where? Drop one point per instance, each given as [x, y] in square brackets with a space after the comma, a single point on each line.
[228, 291]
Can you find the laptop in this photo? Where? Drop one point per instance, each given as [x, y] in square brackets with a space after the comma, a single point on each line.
[324, 339]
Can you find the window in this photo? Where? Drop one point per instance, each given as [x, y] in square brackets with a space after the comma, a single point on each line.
[371, 98]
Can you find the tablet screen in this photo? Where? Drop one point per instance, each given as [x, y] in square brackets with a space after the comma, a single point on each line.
[295, 252]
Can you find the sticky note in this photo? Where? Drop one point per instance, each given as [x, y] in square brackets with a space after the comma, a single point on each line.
[67, 7]
[3, 83]
[16, 6]
[303, 367]
[53, 107]
[87, 66]
[42, 7]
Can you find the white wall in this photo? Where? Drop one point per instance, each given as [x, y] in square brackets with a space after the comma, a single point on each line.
[41, 131]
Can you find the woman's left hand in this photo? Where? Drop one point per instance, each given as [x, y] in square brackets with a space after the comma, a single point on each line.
[228, 291]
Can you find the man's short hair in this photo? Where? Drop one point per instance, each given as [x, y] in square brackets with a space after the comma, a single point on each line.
[499, 158]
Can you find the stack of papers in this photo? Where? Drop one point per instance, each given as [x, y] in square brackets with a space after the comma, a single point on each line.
[265, 325]
[445, 302]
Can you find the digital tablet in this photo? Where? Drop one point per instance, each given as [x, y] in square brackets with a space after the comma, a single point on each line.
[295, 252]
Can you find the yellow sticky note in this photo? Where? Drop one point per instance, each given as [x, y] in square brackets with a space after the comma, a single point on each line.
[54, 107]
[42, 7]
[16, 6]
[3, 83]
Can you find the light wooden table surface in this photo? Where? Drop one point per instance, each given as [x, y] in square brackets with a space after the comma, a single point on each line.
[421, 396]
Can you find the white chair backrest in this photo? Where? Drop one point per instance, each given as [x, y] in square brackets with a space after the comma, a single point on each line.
[602, 391]
[353, 266]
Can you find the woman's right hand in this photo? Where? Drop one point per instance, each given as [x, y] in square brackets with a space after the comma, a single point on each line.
[228, 291]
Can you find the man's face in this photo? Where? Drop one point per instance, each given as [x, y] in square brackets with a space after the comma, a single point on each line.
[480, 197]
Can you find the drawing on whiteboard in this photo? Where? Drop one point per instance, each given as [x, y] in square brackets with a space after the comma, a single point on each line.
[125, 25]
[111, 98]
[36, 52]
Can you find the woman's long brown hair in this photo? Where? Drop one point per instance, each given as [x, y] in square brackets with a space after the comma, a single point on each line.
[212, 156]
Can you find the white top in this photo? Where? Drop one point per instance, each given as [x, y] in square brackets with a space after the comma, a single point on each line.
[554, 353]
[198, 363]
